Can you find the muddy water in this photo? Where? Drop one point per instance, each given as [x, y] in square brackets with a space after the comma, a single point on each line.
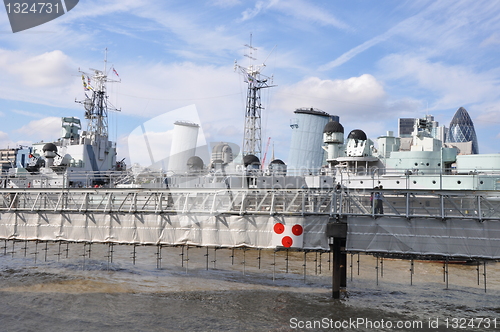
[70, 291]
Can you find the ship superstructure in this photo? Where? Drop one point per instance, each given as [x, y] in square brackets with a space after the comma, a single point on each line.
[420, 162]
[79, 158]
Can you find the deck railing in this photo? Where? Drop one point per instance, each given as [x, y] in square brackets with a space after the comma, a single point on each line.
[410, 204]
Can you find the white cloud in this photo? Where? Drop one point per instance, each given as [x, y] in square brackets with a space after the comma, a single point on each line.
[454, 85]
[225, 3]
[44, 70]
[250, 13]
[29, 114]
[46, 78]
[185, 26]
[307, 12]
[354, 51]
[407, 27]
[99, 8]
[360, 102]
[47, 129]
[347, 98]
[5, 141]
[299, 9]
[406, 107]
[492, 40]
[490, 116]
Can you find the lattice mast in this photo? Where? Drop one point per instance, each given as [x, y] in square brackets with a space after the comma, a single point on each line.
[97, 105]
[252, 139]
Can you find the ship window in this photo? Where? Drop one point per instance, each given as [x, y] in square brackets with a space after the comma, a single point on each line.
[481, 182]
[414, 182]
[439, 164]
[459, 182]
[361, 182]
[434, 182]
[427, 164]
[416, 164]
[397, 182]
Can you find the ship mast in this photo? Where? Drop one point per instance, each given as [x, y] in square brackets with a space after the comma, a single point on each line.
[252, 139]
[97, 105]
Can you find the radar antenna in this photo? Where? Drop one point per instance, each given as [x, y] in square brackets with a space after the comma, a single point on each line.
[252, 139]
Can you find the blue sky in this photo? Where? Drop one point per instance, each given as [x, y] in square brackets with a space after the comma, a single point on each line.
[369, 62]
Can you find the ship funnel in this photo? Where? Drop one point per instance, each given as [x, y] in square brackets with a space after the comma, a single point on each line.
[185, 136]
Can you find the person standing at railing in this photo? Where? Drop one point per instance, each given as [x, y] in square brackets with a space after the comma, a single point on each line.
[378, 198]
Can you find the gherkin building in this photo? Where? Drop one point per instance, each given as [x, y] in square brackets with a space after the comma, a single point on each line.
[462, 130]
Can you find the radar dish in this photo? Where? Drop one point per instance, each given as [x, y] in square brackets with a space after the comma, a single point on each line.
[251, 159]
[357, 134]
[333, 127]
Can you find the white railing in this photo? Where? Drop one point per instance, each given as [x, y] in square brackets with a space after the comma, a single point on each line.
[464, 205]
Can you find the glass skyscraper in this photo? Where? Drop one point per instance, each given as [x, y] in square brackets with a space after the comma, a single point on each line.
[462, 130]
[405, 127]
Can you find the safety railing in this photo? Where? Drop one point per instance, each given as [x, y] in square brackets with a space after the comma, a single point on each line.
[410, 204]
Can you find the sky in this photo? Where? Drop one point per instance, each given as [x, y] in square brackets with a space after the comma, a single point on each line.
[369, 62]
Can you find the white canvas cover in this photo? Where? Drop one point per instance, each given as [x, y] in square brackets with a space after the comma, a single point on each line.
[157, 228]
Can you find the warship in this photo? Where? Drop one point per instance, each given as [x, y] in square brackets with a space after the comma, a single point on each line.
[332, 191]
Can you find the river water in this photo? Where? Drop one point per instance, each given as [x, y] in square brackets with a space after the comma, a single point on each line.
[58, 290]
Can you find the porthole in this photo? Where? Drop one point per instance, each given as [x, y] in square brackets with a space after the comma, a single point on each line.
[361, 182]
[481, 182]
[433, 182]
[414, 182]
[459, 182]
[397, 182]
[427, 164]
